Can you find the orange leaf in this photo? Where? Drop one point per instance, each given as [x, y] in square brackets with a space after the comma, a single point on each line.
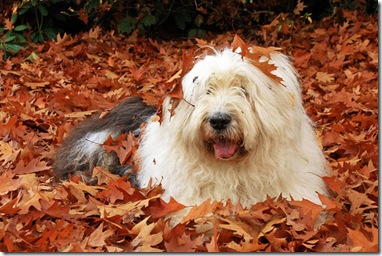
[145, 240]
[36, 165]
[8, 24]
[334, 184]
[124, 148]
[365, 240]
[330, 204]
[200, 210]
[183, 243]
[160, 208]
[98, 237]
[239, 43]
[299, 7]
[254, 53]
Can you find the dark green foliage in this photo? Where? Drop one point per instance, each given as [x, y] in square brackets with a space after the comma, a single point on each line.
[12, 37]
[40, 20]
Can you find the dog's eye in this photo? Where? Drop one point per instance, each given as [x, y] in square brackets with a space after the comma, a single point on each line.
[208, 91]
[244, 90]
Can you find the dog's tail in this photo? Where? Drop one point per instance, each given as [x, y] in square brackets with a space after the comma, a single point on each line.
[83, 149]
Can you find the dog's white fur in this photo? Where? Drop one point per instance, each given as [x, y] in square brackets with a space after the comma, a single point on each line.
[278, 149]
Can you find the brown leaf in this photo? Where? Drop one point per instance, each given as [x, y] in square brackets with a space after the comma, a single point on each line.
[8, 24]
[122, 146]
[95, 32]
[36, 165]
[160, 208]
[364, 240]
[200, 210]
[213, 246]
[270, 226]
[99, 236]
[240, 228]
[239, 43]
[8, 182]
[299, 7]
[254, 53]
[324, 77]
[330, 205]
[183, 244]
[309, 211]
[145, 240]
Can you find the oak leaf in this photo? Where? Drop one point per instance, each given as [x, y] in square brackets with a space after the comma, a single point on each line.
[255, 54]
[299, 7]
[183, 243]
[200, 210]
[159, 208]
[239, 228]
[124, 146]
[145, 240]
[364, 240]
[35, 165]
[324, 77]
[9, 182]
[98, 237]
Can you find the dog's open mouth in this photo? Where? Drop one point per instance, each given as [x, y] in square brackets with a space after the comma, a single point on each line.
[224, 149]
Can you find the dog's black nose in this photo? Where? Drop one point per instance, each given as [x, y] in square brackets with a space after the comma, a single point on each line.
[220, 121]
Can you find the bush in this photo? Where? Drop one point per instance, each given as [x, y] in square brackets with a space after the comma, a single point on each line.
[39, 20]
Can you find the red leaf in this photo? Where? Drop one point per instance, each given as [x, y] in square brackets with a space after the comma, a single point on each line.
[239, 43]
[160, 208]
[36, 165]
[254, 53]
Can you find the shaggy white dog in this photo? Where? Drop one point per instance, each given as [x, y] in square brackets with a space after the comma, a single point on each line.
[243, 137]
[238, 135]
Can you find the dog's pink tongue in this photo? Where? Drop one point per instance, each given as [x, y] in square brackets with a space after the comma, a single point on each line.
[224, 149]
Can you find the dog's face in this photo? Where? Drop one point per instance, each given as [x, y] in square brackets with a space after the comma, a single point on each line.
[235, 106]
[222, 112]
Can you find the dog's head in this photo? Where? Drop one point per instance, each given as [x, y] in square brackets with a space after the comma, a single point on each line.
[234, 106]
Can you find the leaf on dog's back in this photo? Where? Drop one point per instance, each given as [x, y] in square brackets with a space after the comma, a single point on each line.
[121, 146]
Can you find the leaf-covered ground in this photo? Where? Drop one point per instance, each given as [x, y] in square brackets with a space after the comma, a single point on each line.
[48, 88]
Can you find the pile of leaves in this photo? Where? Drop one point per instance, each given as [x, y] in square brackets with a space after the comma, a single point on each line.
[48, 88]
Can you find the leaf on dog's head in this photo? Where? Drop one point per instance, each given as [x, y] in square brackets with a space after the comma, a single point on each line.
[267, 69]
[254, 53]
[239, 43]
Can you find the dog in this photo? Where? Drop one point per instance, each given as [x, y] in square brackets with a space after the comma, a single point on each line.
[238, 135]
